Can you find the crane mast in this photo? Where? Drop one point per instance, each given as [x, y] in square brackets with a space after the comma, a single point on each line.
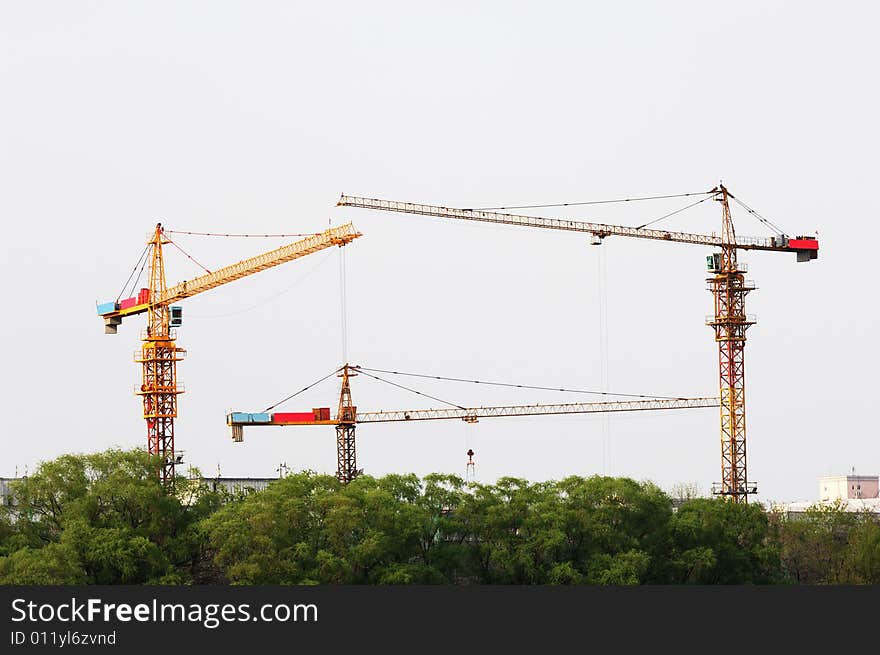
[728, 286]
[159, 352]
[346, 420]
[730, 322]
[158, 357]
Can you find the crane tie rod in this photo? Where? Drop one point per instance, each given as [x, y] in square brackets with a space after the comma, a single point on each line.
[400, 386]
[131, 275]
[329, 375]
[218, 234]
[677, 211]
[594, 202]
[763, 220]
[517, 386]
[188, 256]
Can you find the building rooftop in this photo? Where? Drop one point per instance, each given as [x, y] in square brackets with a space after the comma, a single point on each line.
[847, 504]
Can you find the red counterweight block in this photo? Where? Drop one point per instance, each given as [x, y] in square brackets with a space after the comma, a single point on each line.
[293, 417]
[804, 244]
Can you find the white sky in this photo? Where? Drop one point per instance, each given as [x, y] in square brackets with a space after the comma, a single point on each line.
[254, 117]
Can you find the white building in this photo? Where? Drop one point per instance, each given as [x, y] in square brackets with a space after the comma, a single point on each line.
[234, 485]
[5, 492]
[844, 487]
[854, 493]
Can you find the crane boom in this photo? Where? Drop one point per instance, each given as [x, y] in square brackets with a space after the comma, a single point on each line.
[774, 243]
[335, 236]
[469, 413]
[347, 417]
[473, 413]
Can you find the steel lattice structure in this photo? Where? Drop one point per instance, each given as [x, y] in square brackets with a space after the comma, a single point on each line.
[729, 289]
[159, 391]
[599, 230]
[158, 357]
[159, 353]
[348, 417]
[730, 322]
[472, 414]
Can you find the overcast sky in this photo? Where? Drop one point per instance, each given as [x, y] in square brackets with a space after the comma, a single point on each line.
[254, 117]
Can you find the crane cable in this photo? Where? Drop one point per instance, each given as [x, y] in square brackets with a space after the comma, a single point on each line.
[470, 472]
[138, 278]
[400, 386]
[677, 211]
[763, 220]
[593, 202]
[130, 275]
[329, 375]
[302, 278]
[218, 234]
[709, 194]
[343, 306]
[190, 257]
[602, 293]
[362, 369]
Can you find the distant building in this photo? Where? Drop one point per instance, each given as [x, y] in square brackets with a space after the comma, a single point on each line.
[6, 492]
[843, 487]
[234, 485]
[793, 510]
[854, 493]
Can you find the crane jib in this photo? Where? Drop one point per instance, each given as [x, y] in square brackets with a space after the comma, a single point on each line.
[321, 415]
[334, 236]
[804, 246]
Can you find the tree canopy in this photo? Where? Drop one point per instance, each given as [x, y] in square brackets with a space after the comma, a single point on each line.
[104, 518]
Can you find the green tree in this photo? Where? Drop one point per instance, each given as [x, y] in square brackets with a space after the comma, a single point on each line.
[105, 514]
[865, 551]
[494, 521]
[596, 530]
[308, 528]
[829, 545]
[274, 536]
[7, 532]
[105, 519]
[53, 564]
[442, 546]
[715, 541]
[613, 526]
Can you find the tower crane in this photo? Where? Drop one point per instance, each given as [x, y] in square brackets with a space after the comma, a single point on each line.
[160, 353]
[727, 284]
[347, 417]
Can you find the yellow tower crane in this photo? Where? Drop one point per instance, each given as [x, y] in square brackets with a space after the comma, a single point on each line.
[159, 353]
[727, 284]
